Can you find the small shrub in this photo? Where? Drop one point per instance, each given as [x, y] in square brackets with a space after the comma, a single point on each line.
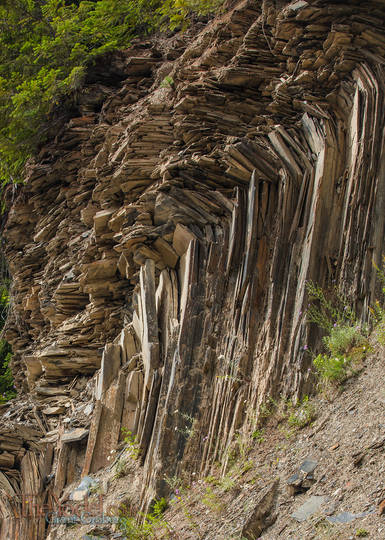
[332, 368]
[379, 333]
[246, 466]
[211, 480]
[133, 448]
[226, 483]
[342, 339]
[267, 408]
[159, 507]
[241, 467]
[362, 533]
[377, 311]
[174, 482]
[302, 413]
[328, 310]
[345, 345]
[143, 526]
[287, 433]
[346, 341]
[188, 429]
[168, 82]
[120, 469]
[257, 435]
[211, 500]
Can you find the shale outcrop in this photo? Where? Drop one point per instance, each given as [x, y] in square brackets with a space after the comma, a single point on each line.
[161, 244]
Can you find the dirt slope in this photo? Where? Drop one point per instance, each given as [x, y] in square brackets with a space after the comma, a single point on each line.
[346, 440]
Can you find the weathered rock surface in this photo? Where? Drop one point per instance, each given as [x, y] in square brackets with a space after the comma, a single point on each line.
[161, 245]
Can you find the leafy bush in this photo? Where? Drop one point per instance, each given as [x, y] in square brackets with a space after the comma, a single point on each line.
[159, 507]
[345, 344]
[346, 340]
[332, 368]
[362, 533]
[133, 449]
[328, 310]
[45, 48]
[144, 526]
[177, 12]
[343, 339]
[257, 435]
[7, 389]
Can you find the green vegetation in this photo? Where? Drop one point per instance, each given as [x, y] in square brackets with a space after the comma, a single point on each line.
[377, 311]
[268, 408]
[257, 435]
[379, 331]
[362, 533]
[302, 413]
[346, 340]
[133, 449]
[120, 468]
[226, 483]
[177, 12]
[46, 48]
[329, 311]
[212, 501]
[7, 390]
[144, 526]
[168, 82]
[345, 345]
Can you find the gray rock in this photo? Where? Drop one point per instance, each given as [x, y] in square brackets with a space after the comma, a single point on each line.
[347, 517]
[303, 478]
[308, 466]
[83, 489]
[310, 507]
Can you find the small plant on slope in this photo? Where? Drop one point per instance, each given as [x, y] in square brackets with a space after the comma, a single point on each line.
[301, 413]
[145, 525]
[345, 345]
[132, 446]
[345, 342]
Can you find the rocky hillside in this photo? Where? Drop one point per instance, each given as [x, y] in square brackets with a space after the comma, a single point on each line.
[312, 472]
[160, 247]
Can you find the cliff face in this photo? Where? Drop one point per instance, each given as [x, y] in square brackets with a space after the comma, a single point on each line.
[161, 244]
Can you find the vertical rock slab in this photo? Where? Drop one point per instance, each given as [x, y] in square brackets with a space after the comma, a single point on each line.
[109, 369]
[132, 401]
[106, 420]
[107, 426]
[150, 340]
[34, 526]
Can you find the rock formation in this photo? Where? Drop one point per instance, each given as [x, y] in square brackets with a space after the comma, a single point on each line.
[160, 246]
